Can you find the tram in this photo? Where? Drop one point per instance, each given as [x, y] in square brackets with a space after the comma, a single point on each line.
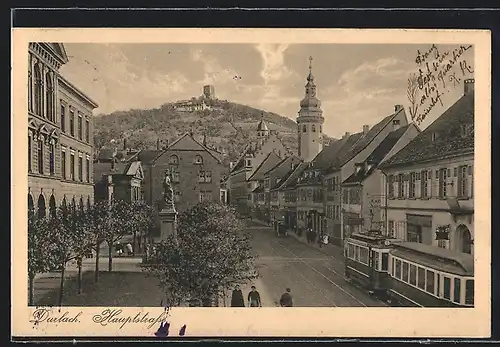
[427, 276]
[366, 258]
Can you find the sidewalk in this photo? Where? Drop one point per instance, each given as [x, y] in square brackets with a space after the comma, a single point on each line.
[47, 282]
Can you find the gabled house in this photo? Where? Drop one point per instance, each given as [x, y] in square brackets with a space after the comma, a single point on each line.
[430, 182]
[356, 149]
[272, 179]
[121, 181]
[362, 191]
[258, 199]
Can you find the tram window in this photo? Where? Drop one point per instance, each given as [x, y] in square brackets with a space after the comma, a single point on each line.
[385, 261]
[376, 261]
[351, 251]
[438, 288]
[456, 290]
[398, 268]
[393, 267]
[421, 278]
[413, 275]
[469, 292]
[405, 271]
[363, 255]
[357, 253]
[447, 288]
[430, 282]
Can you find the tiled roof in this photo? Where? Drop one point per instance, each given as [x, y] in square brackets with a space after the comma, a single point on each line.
[291, 180]
[271, 160]
[346, 147]
[377, 156]
[101, 169]
[366, 139]
[241, 163]
[145, 156]
[277, 165]
[455, 135]
[327, 155]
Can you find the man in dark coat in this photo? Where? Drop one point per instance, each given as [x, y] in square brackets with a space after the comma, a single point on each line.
[254, 298]
[237, 298]
[286, 299]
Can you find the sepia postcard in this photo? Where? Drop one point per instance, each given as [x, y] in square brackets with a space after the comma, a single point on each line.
[250, 183]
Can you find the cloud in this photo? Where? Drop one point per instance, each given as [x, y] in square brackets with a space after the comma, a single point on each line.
[274, 68]
[115, 83]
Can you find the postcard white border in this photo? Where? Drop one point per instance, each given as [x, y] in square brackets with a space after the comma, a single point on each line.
[264, 322]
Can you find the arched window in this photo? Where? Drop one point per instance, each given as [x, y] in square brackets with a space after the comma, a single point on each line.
[49, 110]
[313, 128]
[30, 86]
[81, 204]
[41, 207]
[52, 206]
[64, 207]
[174, 160]
[40, 156]
[304, 128]
[198, 159]
[88, 203]
[465, 237]
[31, 207]
[38, 95]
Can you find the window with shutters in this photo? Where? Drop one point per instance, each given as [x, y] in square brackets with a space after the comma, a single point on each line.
[72, 166]
[201, 176]
[87, 167]
[390, 182]
[63, 163]
[411, 192]
[52, 159]
[87, 131]
[63, 118]
[29, 153]
[80, 127]
[208, 176]
[401, 186]
[80, 168]
[442, 183]
[462, 182]
[424, 184]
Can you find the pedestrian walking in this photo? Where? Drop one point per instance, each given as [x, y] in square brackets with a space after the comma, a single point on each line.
[286, 299]
[119, 248]
[254, 298]
[130, 250]
[237, 297]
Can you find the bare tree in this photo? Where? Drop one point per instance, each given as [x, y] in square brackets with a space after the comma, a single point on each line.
[412, 94]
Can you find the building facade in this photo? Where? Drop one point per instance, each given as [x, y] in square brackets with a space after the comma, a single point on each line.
[240, 188]
[430, 182]
[121, 181]
[60, 134]
[194, 169]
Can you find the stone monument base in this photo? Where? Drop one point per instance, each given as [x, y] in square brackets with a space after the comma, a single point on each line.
[168, 220]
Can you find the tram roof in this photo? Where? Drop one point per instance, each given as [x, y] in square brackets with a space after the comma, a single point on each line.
[436, 257]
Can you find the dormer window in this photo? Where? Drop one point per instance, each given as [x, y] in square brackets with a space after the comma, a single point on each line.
[434, 136]
[358, 169]
[198, 159]
[249, 162]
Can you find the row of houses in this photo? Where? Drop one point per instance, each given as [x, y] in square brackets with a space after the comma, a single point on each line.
[391, 178]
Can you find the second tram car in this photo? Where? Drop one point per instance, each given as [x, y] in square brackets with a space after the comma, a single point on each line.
[428, 276]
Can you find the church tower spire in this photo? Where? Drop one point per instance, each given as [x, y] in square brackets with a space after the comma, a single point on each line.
[310, 121]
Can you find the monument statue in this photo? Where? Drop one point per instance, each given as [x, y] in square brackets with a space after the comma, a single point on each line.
[168, 192]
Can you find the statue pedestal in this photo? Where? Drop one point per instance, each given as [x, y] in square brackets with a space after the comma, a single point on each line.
[168, 219]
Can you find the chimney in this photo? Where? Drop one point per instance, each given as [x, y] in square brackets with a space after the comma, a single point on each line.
[395, 124]
[397, 108]
[469, 86]
[157, 144]
[366, 128]
[346, 135]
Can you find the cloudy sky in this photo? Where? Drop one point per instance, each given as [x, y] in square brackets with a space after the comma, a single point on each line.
[357, 84]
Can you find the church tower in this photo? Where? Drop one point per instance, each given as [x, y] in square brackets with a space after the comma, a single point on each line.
[310, 121]
[262, 132]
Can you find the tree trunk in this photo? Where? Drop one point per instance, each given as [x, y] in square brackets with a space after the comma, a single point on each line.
[97, 253]
[31, 290]
[110, 256]
[133, 243]
[139, 239]
[61, 286]
[79, 281]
